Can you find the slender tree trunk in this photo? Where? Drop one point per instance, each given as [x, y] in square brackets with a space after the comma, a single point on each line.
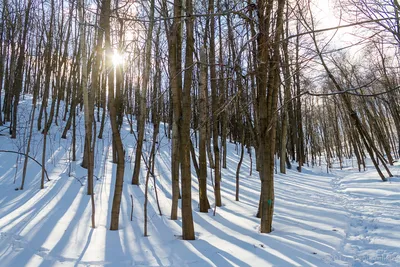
[214, 108]
[18, 77]
[150, 171]
[202, 135]
[287, 97]
[222, 91]
[44, 152]
[238, 167]
[2, 58]
[28, 145]
[143, 102]
[87, 107]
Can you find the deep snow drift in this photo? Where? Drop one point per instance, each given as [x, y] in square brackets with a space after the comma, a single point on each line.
[343, 218]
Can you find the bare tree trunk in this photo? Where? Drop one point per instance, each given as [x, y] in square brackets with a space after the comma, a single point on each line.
[203, 200]
[150, 170]
[238, 167]
[2, 58]
[44, 151]
[268, 77]
[104, 105]
[222, 91]
[28, 145]
[298, 112]
[175, 59]
[17, 86]
[214, 108]
[87, 107]
[143, 102]
[187, 216]
[73, 81]
[119, 179]
[287, 97]
[48, 66]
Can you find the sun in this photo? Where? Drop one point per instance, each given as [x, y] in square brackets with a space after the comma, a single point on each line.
[117, 59]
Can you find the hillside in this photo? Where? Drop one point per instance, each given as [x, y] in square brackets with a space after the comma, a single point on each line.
[338, 219]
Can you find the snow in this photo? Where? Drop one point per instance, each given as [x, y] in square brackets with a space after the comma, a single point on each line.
[343, 218]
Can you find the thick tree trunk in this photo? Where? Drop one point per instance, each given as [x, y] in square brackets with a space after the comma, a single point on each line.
[187, 216]
[119, 178]
[268, 77]
[175, 59]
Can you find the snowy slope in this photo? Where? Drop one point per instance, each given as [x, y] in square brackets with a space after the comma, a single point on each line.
[338, 219]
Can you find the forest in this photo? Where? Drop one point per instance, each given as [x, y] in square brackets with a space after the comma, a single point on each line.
[164, 119]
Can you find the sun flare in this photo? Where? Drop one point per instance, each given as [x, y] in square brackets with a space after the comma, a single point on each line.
[117, 59]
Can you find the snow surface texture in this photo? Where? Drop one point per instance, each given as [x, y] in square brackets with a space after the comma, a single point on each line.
[343, 218]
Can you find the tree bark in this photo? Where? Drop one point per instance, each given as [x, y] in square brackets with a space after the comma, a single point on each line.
[187, 216]
[143, 97]
[268, 77]
[87, 107]
[204, 206]
[175, 75]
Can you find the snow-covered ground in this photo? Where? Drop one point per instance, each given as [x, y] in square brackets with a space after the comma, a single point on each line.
[343, 218]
